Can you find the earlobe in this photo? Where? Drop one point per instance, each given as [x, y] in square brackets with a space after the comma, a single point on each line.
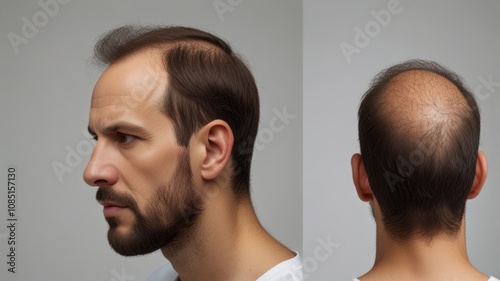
[360, 178]
[481, 174]
[217, 138]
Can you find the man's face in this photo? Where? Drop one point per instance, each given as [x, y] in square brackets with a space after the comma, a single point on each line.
[144, 176]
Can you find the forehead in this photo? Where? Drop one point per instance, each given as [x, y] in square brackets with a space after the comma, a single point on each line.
[138, 79]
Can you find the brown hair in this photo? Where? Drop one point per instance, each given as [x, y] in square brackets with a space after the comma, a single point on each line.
[207, 81]
[420, 175]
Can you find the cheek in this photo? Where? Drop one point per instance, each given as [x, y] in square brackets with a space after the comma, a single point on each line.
[159, 166]
[149, 171]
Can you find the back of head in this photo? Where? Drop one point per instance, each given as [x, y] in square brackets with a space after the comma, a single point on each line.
[419, 130]
[206, 81]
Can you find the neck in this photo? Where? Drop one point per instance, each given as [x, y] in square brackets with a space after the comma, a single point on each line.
[444, 257]
[227, 242]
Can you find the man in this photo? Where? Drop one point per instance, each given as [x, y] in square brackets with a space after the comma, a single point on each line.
[175, 116]
[419, 130]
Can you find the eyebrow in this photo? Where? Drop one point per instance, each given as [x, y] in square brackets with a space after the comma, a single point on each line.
[122, 126]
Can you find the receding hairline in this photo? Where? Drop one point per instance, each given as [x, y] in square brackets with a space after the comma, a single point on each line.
[161, 50]
[129, 39]
[157, 54]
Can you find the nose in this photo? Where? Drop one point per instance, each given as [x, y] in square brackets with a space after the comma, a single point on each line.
[100, 171]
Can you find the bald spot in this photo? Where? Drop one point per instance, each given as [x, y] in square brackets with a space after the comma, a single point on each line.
[423, 106]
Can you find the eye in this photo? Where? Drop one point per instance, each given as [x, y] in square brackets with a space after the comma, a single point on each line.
[125, 139]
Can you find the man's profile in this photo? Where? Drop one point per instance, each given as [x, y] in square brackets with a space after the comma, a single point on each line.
[419, 129]
[175, 115]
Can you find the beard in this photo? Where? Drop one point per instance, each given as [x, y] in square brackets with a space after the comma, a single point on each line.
[168, 215]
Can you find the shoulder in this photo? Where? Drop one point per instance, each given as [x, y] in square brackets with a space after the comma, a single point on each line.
[289, 270]
[163, 273]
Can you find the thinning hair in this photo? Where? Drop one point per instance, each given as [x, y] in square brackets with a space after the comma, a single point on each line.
[419, 129]
[206, 81]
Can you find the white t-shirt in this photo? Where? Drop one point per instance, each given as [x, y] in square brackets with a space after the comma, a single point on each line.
[289, 270]
[491, 279]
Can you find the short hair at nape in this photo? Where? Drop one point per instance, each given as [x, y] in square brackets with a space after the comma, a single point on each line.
[420, 169]
[207, 81]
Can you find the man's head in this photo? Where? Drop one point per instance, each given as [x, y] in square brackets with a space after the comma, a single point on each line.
[174, 112]
[419, 130]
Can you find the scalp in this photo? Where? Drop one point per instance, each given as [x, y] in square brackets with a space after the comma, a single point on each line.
[423, 106]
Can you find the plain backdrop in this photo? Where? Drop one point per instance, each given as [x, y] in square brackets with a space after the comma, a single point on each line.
[301, 176]
[45, 98]
[463, 35]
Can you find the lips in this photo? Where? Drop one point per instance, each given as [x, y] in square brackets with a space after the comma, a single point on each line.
[111, 204]
[111, 208]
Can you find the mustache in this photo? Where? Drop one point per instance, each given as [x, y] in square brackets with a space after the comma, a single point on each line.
[108, 194]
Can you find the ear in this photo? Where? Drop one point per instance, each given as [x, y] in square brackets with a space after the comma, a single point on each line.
[215, 140]
[480, 178]
[360, 178]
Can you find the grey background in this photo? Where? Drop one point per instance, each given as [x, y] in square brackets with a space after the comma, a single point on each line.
[45, 98]
[463, 35]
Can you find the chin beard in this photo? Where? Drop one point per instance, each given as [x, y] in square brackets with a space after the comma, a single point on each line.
[148, 234]
[167, 219]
